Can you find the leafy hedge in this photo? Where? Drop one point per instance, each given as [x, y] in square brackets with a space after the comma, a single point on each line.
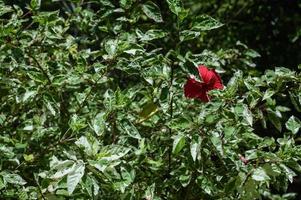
[92, 107]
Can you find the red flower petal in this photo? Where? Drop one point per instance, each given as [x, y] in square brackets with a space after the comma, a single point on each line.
[205, 74]
[210, 78]
[195, 89]
[217, 84]
[203, 96]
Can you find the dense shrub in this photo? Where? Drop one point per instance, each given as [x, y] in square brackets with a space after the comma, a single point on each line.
[92, 106]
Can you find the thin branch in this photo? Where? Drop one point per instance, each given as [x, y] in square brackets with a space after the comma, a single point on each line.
[40, 67]
[177, 47]
[40, 189]
[170, 113]
[89, 94]
[247, 177]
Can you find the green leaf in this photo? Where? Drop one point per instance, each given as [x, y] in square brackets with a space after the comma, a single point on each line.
[289, 196]
[260, 175]
[295, 102]
[126, 3]
[28, 128]
[111, 47]
[99, 123]
[195, 148]
[147, 111]
[2, 118]
[274, 118]
[107, 3]
[178, 144]
[248, 115]
[250, 190]
[293, 124]
[152, 11]
[35, 4]
[268, 93]
[205, 23]
[150, 34]
[75, 177]
[28, 158]
[28, 94]
[288, 172]
[13, 179]
[175, 6]
[271, 170]
[127, 179]
[131, 130]
[189, 35]
[282, 109]
[5, 9]
[50, 108]
[91, 186]
[150, 192]
[207, 184]
[185, 180]
[2, 185]
[229, 131]
[252, 53]
[83, 142]
[61, 168]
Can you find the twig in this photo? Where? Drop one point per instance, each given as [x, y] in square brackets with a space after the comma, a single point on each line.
[247, 177]
[171, 94]
[62, 138]
[88, 95]
[40, 67]
[171, 114]
[27, 13]
[40, 190]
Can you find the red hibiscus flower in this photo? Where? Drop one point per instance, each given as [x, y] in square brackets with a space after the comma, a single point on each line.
[198, 90]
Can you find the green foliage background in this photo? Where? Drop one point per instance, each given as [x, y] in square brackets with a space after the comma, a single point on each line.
[92, 103]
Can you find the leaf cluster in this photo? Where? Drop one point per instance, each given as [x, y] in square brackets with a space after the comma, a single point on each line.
[92, 107]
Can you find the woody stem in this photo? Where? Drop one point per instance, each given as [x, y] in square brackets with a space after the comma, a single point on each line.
[170, 113]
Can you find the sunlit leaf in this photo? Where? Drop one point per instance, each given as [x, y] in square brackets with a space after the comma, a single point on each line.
[13, 179]
[260, 175]
[178, 144]
[248, 115]
[99, 123]
[293, 124]
[152, 11]
[275, 120]
[205, 23]
[75, 177]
